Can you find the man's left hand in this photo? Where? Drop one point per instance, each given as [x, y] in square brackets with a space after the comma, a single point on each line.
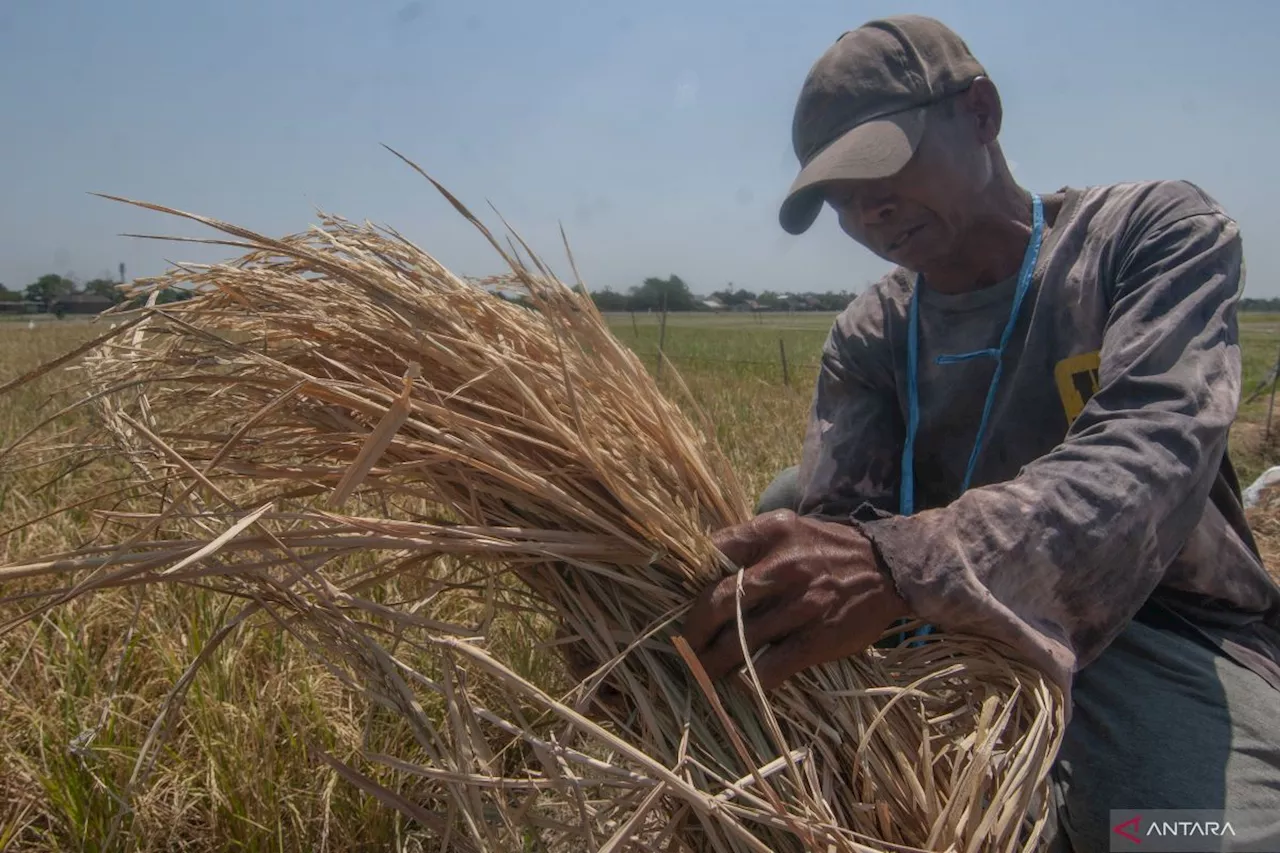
[813, 591]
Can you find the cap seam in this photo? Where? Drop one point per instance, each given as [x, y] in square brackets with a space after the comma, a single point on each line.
[899, 37]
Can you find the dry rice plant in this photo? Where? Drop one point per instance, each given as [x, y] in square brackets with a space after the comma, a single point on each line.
[334, 409]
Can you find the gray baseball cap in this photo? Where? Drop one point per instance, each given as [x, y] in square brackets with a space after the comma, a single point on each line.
[861, 112]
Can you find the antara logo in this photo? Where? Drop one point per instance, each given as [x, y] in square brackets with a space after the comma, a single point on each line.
[1133, 823]
[1133, 830]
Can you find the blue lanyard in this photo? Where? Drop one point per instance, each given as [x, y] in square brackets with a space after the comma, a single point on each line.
[908, 486]
[906, 499]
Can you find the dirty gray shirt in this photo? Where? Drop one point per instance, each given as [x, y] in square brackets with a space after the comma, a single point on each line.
[1104, 479]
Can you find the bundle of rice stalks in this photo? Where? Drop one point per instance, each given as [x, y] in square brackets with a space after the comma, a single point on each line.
[335, 409]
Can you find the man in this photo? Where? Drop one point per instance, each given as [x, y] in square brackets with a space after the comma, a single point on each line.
[1021, 433]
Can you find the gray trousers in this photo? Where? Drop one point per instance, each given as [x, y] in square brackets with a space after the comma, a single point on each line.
[1160, 721]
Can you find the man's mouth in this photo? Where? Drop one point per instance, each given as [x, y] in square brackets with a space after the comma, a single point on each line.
[902, 239]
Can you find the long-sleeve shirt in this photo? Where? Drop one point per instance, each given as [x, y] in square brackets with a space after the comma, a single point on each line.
[1104, 479]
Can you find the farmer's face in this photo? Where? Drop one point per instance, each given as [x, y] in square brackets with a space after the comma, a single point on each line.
[918, 217]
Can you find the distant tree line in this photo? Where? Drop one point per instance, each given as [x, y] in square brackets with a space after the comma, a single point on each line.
[649, 296]
[673, 294]
[57, 294]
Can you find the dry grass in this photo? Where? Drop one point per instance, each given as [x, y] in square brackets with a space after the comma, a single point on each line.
[384, 670]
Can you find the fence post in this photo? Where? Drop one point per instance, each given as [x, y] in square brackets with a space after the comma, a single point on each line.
[662, 335]
[635, 328]
[1266, 437]
[786, 374]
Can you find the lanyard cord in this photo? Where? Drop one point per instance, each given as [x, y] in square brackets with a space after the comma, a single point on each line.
[906, 498]
[907, 490]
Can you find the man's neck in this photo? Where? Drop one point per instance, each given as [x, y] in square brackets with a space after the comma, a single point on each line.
[991, 249]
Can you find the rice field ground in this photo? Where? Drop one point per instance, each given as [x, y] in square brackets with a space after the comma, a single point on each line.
[236, 772]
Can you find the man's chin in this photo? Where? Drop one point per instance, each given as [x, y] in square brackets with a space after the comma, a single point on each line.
[916, 260]
[920, 261]
[909, 262]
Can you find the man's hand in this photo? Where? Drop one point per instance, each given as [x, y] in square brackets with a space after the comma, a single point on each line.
[813, 591]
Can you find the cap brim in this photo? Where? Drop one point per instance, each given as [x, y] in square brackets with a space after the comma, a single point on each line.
[876, 149]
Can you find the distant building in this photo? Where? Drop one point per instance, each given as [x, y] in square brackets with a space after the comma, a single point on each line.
[80, 303]
[803, 303]
[19, 306]
[713, 304]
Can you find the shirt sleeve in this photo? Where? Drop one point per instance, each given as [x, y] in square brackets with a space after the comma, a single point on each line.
[854, 436]
[1055, 562]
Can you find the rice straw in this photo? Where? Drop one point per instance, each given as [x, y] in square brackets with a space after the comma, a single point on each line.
[337, 398]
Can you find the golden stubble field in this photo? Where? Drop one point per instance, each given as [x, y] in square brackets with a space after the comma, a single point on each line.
[80, 690]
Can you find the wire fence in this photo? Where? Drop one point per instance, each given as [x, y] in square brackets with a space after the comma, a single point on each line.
[674, 357]
[785, 364]
[786, 368]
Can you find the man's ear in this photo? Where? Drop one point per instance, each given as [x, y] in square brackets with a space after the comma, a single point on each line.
[982, 103]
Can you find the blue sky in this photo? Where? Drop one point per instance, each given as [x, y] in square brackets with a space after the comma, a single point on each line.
[657, 132]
